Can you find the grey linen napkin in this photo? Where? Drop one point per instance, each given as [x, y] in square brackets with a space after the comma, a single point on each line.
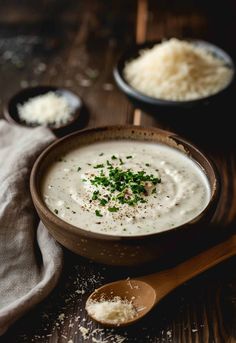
[30, 259]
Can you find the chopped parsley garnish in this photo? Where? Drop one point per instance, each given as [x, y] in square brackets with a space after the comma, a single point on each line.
[79, 169]
[98, 213]
[56, 211]
[102, 153]
[98, 166]
[95, 195]
[123, 186]
[103, 201]
[113, 157]
[128, 157]
[113, 209]
[147, 164]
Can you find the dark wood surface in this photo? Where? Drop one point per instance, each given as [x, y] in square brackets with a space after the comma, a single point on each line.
[75, 44]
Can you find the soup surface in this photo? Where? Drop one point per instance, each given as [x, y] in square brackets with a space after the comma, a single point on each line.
[125, 188]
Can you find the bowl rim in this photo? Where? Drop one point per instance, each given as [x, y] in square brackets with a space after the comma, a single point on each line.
[39, 203]
[134, 49]
[8, 116]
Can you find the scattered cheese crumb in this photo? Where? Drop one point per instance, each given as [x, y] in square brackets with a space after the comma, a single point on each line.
[80, 291]
[49, 108]
[61, 317]
[194, 330]
[84, 331]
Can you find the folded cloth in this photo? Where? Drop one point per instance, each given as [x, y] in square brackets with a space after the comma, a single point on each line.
[30, 259]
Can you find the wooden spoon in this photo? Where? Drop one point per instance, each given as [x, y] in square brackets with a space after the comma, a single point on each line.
[146, 291]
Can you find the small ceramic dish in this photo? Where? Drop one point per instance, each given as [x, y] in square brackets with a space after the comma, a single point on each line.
[164, 107]
[12, 115]
[123, 250]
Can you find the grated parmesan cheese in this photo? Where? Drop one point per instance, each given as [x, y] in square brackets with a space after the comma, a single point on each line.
[84, 331]
[114, 311]
[46, 109]
[177, 70]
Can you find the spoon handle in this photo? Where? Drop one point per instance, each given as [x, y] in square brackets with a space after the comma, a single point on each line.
[205, 260]
[166, 281]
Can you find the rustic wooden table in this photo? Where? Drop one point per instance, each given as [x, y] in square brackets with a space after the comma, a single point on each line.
[75, 44]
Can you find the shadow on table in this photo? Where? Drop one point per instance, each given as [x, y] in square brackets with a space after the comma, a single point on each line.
[212, 129]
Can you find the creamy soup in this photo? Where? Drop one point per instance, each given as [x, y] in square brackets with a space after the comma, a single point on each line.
[125, 188]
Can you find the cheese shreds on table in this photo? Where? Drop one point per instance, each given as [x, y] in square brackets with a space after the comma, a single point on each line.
[49, 108]
[114, 311]
[178, 71]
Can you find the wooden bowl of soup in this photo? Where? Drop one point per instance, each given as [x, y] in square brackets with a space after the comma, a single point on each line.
[124, 195]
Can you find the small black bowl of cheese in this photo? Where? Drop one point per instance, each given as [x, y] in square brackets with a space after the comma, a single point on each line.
[56, 108]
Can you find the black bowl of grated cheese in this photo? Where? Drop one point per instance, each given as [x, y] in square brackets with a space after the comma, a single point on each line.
[176, 80]
[56, 108]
